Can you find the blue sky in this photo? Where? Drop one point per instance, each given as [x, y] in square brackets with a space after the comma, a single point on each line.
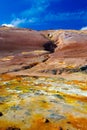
[44, 14]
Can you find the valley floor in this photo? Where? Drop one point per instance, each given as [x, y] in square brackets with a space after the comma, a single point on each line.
[43, 103]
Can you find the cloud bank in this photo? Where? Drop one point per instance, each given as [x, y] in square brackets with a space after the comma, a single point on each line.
[84, 28]
[7, 25]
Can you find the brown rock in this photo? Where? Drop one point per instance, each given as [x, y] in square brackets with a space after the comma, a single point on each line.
[16, 40]
[24, 51]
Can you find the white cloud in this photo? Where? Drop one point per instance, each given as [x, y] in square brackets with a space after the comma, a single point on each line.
[37, 9]
[33, 14]
[7, 25]
[84, 28]
[32, 20]
[17, 21]
[65, 16]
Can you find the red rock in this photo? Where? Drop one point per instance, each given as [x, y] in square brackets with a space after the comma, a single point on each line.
[70, 44]
[27, 51]
[16, 40]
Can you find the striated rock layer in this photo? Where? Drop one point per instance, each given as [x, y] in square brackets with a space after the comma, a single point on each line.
[14, 39]
[24, 51]
[70, 54]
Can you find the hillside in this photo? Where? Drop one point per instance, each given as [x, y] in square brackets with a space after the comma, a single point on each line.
[49, 52]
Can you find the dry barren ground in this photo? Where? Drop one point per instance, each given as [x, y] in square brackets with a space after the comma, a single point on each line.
[43, 79]
[42, 103]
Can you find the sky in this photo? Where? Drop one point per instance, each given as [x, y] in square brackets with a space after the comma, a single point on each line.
[44, 14]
